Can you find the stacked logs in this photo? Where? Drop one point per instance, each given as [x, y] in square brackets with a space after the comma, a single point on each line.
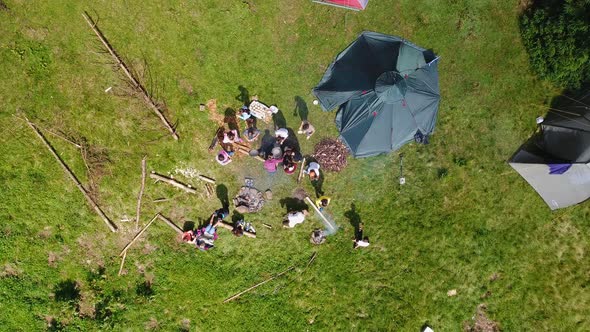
[331, 154]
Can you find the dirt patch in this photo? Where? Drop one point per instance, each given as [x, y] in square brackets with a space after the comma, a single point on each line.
[10, 270]
[3, 6]
[152, 324]
[53, 258]
[45, 233]
[85, 307]
[480, 322]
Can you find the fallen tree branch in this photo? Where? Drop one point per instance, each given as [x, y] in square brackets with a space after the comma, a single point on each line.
[92, 203]
[206, 179]
[124, 251]
[301, 171]
[326, 222]
[132, 79]
[233, 297]
[143, 172]
[170, 223]
[122, 262]
[173, 182]
[231, 228]
[311, 259]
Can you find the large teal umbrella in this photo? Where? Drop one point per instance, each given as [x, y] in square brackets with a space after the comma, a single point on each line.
[386, 90]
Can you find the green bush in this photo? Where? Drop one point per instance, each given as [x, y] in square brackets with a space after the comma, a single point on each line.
[556, 34]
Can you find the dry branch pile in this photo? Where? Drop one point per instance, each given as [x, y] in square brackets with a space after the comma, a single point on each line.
[331, 154]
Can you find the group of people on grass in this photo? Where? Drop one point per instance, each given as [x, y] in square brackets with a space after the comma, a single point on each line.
[277, 152]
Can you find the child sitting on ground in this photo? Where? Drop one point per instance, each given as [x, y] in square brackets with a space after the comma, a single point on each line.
[306, 128]
[223, 158]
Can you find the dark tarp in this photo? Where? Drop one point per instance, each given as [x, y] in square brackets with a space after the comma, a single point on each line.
[386, 90]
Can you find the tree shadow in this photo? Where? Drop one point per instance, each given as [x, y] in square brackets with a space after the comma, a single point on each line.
[293, 204]
[222, 195]
[354, 218]
[244, 95]
[189, 225]
[279, 120]
[300, 108]
[231, 119]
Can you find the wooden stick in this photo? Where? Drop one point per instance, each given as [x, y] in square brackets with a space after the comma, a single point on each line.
[231, 228]
[95, 206]
[170, 223]
[258, 284]
[122, 262]
[158, 200]
[326, 222]
[143, 171]
[311, 259]
[133, 80]
[63, 138]
[138, 235]
[267, 226]
[173, 182]
[301, 171]
[248, 153]
[206, 179]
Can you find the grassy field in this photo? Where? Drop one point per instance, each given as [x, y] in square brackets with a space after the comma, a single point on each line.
[463, 216]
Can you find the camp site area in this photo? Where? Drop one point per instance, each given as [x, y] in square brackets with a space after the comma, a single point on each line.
[330, 165]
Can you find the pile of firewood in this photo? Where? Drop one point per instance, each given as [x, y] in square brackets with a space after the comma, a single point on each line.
[331, 154]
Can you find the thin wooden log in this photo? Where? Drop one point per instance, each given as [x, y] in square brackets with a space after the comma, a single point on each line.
[158, 200]
[241, 150]
[143, 172]
[92, 203]
[63, 138]
[173, 182]
[206, 179]
[208, 190]
[138, 235]
[329, 224]
[267, 226]
[170, 223]
[133, 80]
[301, 171]
[233, 297]
[311, 259]
[231, 228]
[122, 263]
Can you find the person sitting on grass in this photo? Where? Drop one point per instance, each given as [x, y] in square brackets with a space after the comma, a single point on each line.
[322, 202]
[270, 164]
[281, 135]
[223, 158]
[244, 113]
[359, 240]
[231, 136]
[251, 134]
[306, 128]
[294, 218]
[313, 170]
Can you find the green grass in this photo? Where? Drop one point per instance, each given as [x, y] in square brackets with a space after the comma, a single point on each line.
[434, 234]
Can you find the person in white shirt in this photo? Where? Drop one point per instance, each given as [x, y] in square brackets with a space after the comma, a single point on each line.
[313, 169]
[294, 218]
[281, 135]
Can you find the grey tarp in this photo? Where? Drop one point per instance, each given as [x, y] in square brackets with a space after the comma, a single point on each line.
[556, 160]
[386, 90]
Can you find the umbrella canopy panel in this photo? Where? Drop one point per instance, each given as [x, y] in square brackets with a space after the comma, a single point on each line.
[386, 90]
[350, 4]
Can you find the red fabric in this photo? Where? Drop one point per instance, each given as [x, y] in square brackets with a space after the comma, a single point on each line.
[347, 3]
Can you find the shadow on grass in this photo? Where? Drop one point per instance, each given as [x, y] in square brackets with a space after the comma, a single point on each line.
[293, 204]
[354, 218]
[301, 108]
[67, 291]
[222, 195]
[244, 95]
